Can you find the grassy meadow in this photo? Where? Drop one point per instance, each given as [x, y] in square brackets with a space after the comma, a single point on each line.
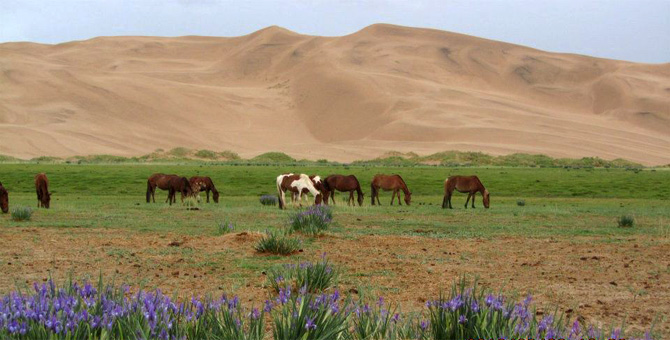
[564, 240]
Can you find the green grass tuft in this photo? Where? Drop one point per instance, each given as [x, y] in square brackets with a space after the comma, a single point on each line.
[313, 277]
[22, 213]
[278, 243]
[626, 221]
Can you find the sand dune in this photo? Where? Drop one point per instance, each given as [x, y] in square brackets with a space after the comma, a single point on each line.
[342, 98]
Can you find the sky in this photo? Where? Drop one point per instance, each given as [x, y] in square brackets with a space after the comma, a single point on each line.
[634, 30]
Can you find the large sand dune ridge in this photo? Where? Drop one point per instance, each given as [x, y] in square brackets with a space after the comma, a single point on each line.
[342, 98]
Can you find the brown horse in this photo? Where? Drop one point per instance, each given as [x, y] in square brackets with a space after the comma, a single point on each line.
[205, 183]
[470, 184]
[4, 199]
[295, 184]
[42, 189]
[164, 182]
[181, 185]
[388, 183]
[343, 184]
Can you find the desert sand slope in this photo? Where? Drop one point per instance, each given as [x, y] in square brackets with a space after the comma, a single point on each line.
[343, 98]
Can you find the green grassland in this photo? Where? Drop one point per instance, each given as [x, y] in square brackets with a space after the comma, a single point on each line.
[577, 208]
[558, 200]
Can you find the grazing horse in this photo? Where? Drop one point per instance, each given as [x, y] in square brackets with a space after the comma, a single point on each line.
[162, 181]
[343, 184]
[295, 184]
[388, 183]
[4, 199]
[178, 184]
[201, 183]
[469, 184]
[42, 189]
[318, 184]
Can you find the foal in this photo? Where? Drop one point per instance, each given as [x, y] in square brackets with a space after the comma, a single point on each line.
[204, 183]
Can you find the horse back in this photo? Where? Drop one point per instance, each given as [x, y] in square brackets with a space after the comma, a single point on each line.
[388, 182]
[41, 182]
[463, 183]
[163, 181]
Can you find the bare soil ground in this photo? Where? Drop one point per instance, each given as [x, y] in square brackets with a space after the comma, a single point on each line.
[623, 278]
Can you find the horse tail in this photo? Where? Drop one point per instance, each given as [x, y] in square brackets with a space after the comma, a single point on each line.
[279, 193]
[446, 192]
[148, 191]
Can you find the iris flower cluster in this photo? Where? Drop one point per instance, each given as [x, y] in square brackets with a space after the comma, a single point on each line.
[84, 312]
[312, 220]
[94, 312]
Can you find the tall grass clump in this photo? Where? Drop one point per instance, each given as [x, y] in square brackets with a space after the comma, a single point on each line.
[107, 312]
[626, 221]
[314, 277]
[521, 203]
[22, 213]
[308, 316]
[313, 220]
[268, 200]
[277, 243]
[190, 202]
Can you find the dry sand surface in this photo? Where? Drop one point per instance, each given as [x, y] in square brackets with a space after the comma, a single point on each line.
[342, 98]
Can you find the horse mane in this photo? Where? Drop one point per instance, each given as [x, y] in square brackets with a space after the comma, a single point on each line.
[405, 188]
[480, 184]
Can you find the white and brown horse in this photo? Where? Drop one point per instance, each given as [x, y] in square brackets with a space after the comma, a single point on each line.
[318, 184]
[295, 184]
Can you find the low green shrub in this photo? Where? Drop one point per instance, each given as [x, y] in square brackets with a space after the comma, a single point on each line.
[277, 243]
[626, 221]
[22, 213]
[314, 277]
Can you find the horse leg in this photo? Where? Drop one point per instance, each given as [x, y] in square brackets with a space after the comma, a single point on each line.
[392, 196]
[399, 200]
[449, 200]
[377, 194]
[468, 200]
[474, 195]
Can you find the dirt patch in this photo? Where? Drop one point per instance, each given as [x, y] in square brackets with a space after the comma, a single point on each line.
[603, 282]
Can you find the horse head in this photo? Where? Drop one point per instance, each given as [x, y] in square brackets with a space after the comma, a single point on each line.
[408, 197]
[46, 200]
[215, 196]
[360, 198]
[486, 198]
[4, 200]
[318, 198]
